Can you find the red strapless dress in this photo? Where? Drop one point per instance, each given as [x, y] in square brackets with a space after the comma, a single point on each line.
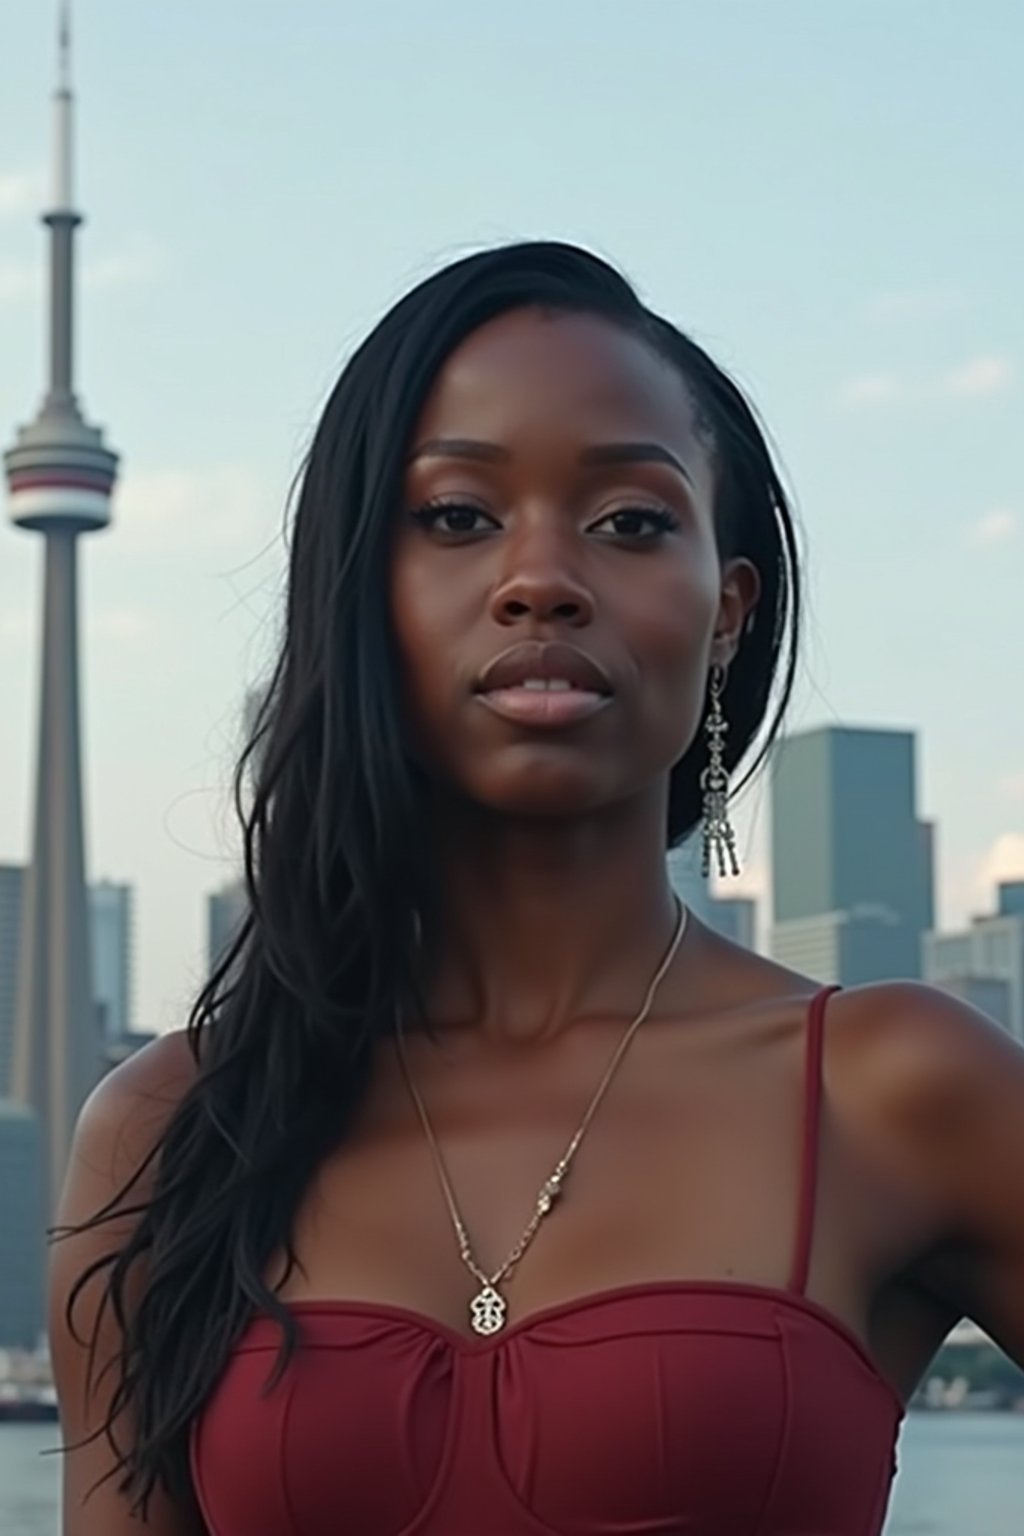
[678, 1408]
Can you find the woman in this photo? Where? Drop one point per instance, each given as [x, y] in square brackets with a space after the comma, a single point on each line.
[488, 1193]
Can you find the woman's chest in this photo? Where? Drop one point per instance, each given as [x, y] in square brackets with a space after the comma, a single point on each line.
[693, 1167]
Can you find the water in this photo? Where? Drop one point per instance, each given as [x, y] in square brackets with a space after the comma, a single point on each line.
[960, 1475]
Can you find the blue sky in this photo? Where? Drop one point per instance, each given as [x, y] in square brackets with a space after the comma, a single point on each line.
[826, 196]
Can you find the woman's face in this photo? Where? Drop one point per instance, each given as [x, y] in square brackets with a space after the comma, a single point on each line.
[557, 528]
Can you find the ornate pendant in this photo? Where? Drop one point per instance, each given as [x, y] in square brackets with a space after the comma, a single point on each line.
[487, 1311]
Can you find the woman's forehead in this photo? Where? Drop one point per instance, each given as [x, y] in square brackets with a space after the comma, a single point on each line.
[574, 374]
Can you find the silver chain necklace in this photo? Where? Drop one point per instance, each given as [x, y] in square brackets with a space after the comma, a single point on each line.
[488, 1307]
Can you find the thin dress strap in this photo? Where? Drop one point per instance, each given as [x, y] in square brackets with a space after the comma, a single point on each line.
[811, 1138]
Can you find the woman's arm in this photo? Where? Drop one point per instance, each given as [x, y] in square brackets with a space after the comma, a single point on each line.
[958, 1079]
[118, 1126]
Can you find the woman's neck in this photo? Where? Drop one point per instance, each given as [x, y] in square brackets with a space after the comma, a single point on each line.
[542, 923]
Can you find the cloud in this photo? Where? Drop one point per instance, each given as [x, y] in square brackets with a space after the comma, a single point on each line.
[913, 304]
[1004, 860]
[21, 192]
[20, 280]
[117, 624]
[1012, 786]
[871, 389]
[998, 526]
[979, 377]
[17, 625]
[21, 626]
[139, 262]
[224, 506]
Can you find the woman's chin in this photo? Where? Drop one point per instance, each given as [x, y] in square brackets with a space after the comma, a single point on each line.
[540, 795]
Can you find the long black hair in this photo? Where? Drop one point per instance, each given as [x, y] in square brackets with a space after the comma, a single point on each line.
[283, 1032]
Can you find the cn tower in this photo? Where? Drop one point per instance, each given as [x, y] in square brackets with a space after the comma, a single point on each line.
[60, 476]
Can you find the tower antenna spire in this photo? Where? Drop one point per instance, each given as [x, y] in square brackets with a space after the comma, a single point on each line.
[62, 123]
[64, 47]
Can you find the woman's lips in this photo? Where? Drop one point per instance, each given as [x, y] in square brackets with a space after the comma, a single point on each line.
[544, 707]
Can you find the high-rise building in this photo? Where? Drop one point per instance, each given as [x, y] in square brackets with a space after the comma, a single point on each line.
[735, 918]
[124, 1046]
[684, 873]
[986, 993]
[225, 912]
[111, 925]
[226, 908]
[12, 879]
[22, 1249]
[252, 704]
[864, 944]
[984, 964]
[111, 945]
[852, 864]
[60, 475]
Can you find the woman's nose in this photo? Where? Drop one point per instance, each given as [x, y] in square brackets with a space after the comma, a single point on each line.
[542, 581]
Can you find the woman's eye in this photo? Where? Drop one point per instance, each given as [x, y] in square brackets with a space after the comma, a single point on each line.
[644, 523]
[461, 519]
[452, 517]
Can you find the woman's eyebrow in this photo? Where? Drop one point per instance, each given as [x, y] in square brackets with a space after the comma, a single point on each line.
[634, 453]
[460, 448]
[598, 453]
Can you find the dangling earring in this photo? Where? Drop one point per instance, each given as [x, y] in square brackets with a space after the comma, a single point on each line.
[714, 781]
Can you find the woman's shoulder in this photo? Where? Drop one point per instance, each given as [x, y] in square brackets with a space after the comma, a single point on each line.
[914, 1045]
[121, 1125]
[165, 1066]
[946, 1084]
[936, 1089]
[904, 1061]
[897, 1038]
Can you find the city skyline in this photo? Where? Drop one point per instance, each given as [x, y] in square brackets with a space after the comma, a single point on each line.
[853, 789]
[237, 252]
